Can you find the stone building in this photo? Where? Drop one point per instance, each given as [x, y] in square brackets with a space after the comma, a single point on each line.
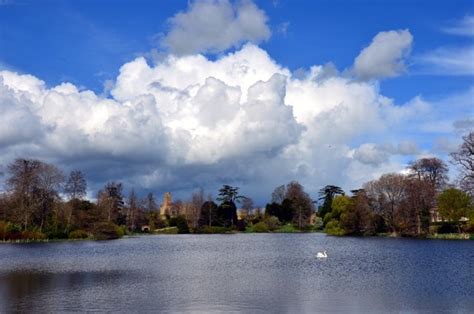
[165, 208]
[168, 208]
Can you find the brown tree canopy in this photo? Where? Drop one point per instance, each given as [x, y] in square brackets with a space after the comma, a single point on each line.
[301, 202]
[34, 186]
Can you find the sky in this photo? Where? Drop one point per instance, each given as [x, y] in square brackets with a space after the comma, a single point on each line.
[175, 95]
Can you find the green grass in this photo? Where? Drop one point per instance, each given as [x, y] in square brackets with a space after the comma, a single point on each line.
[287, 228]
[167, 230]
[451, 236]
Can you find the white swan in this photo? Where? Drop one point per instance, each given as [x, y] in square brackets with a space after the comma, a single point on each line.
[322, 255]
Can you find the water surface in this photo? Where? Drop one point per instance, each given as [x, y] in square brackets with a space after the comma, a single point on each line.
[239, 273]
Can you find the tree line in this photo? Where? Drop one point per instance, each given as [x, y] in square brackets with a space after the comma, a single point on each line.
[418, 203]
[41, 202]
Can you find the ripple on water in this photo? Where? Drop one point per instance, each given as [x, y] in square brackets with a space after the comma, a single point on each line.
[243, 272]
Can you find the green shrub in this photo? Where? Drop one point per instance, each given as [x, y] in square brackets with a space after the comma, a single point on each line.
[260, 227]
[107, 231]
[272, 223]
[327, 218]
[287, 228]
[122, 230]
[12, 232]
[318, 223]
[180, 222]
[333, 228]
[78, 234]
[469, 227]
[433, 229]
[307, 228]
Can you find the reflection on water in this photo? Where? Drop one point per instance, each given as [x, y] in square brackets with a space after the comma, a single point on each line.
[36, 290]
[244, 272]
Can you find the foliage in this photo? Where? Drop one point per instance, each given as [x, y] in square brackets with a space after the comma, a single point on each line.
[32, 206]
[327, 194]
[284, 211]
[470, 224]
[333, 227]
[208, 216]
[13, 231]
[226, 214]
[318, 224]
[78, 234]
[301, 203]
[180, 223]
[287, 228]
[229, 194]
[453, 204]
[260, 227]
[272, 223]
[107, 231]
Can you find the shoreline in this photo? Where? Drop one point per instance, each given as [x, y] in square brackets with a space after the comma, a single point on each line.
[446, 236]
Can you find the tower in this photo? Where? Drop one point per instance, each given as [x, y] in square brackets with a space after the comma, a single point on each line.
[165, 208]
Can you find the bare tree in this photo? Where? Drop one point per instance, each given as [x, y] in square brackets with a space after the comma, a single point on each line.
[433, 170]
[464, 159]
[76, 185]
[278, 195]
[419, 199]
[387, 194]
[75, 189]
[150, 203]
[111, 200]
[34, 186]
[247, 206]
[50, 180]
[22, 180]
[194, 211]
[132, 210]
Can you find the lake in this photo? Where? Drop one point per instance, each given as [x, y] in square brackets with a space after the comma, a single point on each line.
[251, 273]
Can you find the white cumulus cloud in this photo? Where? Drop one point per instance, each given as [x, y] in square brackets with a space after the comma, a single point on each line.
[214, 26]
[385, 55]
[241, 119]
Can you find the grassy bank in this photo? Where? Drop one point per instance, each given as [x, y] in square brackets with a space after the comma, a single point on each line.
[452, 236]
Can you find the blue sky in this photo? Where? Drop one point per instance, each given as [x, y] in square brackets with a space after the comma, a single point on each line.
[87, 43]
